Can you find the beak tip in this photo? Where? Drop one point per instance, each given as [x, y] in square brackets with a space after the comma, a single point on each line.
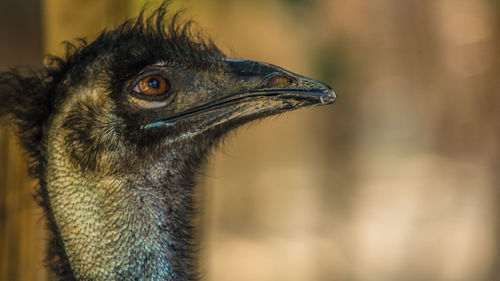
[329, 98]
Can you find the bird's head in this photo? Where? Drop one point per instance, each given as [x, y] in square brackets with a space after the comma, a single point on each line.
[117, 128]
[147, 87]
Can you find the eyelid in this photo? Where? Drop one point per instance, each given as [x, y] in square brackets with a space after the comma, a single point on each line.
[150, 104]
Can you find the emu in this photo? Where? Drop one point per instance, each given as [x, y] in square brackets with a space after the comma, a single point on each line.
[116, 131]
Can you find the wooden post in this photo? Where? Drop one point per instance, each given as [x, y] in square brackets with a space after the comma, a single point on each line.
[21, 233]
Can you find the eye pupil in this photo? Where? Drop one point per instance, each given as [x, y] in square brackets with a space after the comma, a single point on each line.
[154, 83]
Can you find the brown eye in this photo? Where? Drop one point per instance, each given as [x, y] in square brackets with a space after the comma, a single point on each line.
[153, 85]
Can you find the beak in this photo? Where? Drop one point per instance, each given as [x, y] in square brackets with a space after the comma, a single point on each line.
[274, 81]
[247, 91]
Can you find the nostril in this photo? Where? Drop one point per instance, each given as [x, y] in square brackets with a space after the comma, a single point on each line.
[277, 80]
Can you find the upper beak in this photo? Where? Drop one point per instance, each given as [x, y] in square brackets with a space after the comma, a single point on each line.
[271, 80]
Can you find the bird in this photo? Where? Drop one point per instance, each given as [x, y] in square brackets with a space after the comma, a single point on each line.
[116, 131]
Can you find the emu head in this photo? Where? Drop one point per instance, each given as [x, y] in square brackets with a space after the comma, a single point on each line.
[117, 129]
[144, 87]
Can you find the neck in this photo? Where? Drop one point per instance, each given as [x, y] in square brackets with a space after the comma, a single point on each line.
[122, 227]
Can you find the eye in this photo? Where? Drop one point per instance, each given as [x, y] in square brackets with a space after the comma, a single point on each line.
[152, 85]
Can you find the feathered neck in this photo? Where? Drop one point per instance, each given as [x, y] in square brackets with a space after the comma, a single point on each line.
[126, 226]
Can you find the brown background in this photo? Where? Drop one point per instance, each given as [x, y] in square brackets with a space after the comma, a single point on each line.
[399, 180]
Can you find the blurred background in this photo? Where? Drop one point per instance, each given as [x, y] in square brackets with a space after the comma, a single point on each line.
[399, 180]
